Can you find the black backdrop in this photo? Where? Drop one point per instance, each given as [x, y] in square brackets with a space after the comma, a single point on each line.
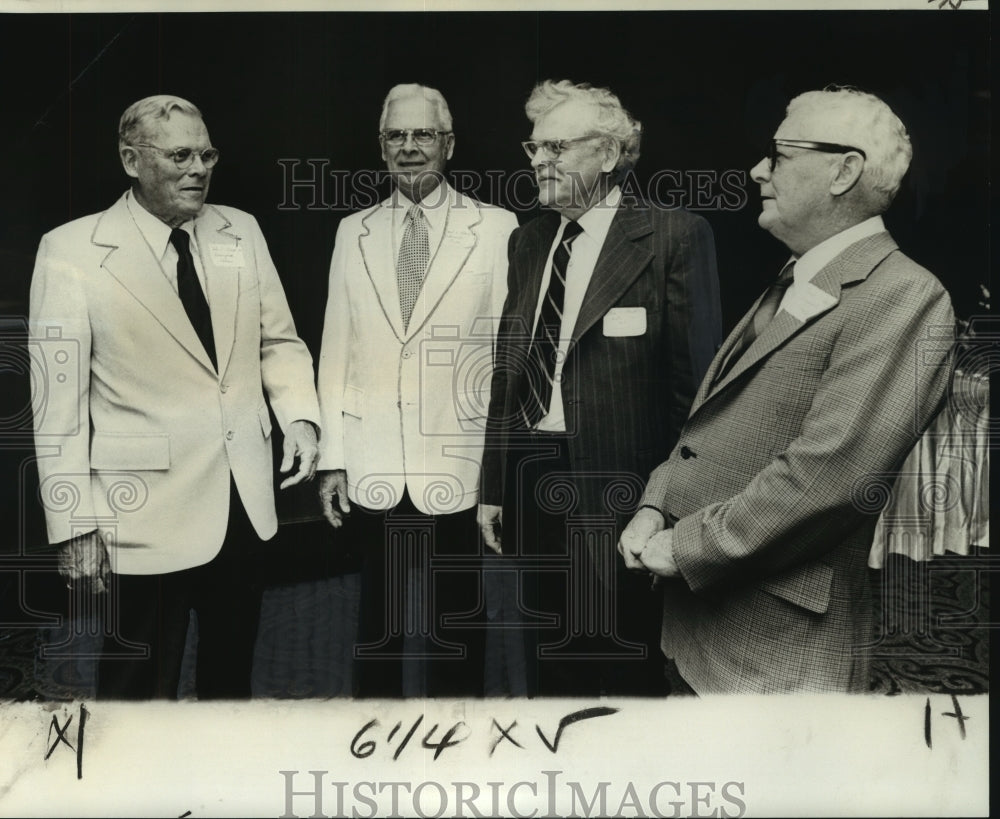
[709, 87]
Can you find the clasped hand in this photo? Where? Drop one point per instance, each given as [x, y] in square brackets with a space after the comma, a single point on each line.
[646, 545]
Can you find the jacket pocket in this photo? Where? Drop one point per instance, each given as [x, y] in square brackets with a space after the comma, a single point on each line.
[124, 450]
[354, 400]
[807, 587]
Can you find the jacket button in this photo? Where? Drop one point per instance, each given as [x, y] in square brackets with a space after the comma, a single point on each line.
[223, 388]
[229, 435]
[687, 453]
[407, 353]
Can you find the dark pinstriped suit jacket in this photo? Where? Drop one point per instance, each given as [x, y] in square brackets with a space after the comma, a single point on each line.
[625, 398]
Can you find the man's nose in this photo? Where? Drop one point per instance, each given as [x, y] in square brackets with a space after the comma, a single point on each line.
[197, 166]
[761, 172]
[541, 157]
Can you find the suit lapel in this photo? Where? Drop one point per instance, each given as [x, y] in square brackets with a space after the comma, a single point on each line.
[620, 261]
[458, 241]
[532, 258]
[214, 229]
[817, 298]
[131, 261]
[375, 243]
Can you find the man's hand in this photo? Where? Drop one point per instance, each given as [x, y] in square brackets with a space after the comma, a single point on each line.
[490, 520]
[333, 483]
[84, 558]
[658, 556]
[645, 523]
[300, 440]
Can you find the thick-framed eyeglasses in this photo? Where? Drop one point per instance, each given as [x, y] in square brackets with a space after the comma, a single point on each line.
[809, 145]
[553, 147]
[183, 157]
[421, 136]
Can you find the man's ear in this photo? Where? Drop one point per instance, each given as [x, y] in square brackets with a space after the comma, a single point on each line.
[451, 146]
[130, 160]
[612, 152]
[849, 171]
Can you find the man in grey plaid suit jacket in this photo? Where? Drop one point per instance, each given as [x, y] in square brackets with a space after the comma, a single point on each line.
[763, 515]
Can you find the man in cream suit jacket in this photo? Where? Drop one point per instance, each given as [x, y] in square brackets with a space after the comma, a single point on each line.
[762, 517]
[417, 284]
[167, 326]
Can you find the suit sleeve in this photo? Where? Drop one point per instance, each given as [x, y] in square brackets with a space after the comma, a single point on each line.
[694, 318]
[333, 357]
[491, 486]
[60, 381]
[285, 362]
[882, 385]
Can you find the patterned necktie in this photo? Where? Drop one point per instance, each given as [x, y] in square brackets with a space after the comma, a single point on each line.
[536, 391]
[761, 318]
[414, 256]
[192, 296]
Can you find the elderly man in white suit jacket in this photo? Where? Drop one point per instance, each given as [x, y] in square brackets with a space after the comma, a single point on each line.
[153, 435]
[416, 285]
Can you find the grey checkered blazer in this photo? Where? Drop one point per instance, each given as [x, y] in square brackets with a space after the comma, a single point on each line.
[774, 486]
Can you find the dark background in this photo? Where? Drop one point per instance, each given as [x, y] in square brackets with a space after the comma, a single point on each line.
[709, 87]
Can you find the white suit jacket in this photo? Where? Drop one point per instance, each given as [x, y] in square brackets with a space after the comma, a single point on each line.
[407, 408]
[136, 434]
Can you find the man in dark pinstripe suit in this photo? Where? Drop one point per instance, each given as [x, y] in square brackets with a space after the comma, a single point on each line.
[804, 417]
[611, 319]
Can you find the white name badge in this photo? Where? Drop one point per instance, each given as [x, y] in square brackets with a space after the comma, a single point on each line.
[625, 321]
[227, 255]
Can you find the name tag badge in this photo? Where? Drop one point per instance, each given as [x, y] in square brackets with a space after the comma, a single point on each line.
[620, 322]
[226, 255]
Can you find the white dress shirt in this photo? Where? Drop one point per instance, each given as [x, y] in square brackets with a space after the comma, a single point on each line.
[816, 258]
[157, 236]
[585, 249]
[435, 207]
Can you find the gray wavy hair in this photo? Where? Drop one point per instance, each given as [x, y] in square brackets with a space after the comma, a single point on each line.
[431, 95]
[855, 117]
[612, 118]
[159, 106]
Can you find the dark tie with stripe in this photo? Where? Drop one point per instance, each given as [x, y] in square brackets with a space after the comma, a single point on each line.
[192, 296]
[536, 392]
[761, 318]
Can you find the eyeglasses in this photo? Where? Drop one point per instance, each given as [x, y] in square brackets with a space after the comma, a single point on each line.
[825, 147]
[421, 136]
[183, 157]
[553, 147]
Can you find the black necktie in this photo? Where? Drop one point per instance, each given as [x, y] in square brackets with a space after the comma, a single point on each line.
[536, 392]
[761, 318]
[192, 296]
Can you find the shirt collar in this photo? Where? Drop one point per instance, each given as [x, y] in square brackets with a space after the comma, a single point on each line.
[155, 231]
[816, 258]
[597, 221]
[435, 205]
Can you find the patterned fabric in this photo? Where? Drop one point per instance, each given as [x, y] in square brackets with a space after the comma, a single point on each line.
[414, 256]
[762, 317]
[776, 481]
[537, 387]
[192, 296]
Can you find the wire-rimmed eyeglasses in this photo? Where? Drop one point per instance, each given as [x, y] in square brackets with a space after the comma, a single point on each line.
[183, 157]
[421, 136]
[553, 147]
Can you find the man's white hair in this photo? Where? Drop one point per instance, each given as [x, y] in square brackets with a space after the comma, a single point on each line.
[854, 117]
[612, 119]
[431, 95]
[138, 115]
